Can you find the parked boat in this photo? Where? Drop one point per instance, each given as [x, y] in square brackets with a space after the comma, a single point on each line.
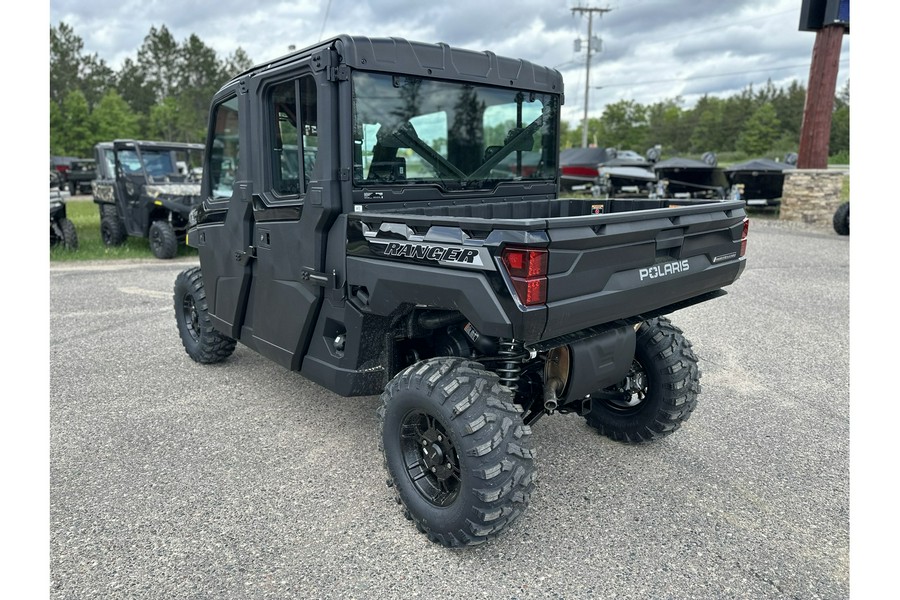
[688, 178]
[625, 177]
[578, 167]
[759, 182]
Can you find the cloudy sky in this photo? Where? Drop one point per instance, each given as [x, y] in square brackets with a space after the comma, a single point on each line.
[650, 49]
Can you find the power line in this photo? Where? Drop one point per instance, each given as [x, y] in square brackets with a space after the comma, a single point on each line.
[677, 79]
[719, 28]
[690, 33]
[325, 20]
[682, 35]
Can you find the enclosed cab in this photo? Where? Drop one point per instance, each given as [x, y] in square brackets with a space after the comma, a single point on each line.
[146, 189]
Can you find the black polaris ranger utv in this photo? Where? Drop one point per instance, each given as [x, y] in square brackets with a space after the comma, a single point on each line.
[383, 217]
[146, 189]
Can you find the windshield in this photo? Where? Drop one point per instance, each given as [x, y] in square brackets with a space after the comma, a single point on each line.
[161, 165]
[457, 135]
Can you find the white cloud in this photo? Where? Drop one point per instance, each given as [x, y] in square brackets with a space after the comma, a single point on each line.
[651, 49]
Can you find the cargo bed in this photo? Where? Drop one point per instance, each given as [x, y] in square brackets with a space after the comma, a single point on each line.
[605, 262]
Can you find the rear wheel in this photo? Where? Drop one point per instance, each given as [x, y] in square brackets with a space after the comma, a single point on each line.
[163, 241]
[201, 341]
[658, 394]
[841, 220]
[456, 450]
[111, 231]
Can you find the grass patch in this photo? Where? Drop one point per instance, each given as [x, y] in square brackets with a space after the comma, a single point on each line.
[845, 189]
[86, 217]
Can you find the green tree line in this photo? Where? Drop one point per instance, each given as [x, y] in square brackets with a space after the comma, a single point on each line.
[752, 123]
[161, 93]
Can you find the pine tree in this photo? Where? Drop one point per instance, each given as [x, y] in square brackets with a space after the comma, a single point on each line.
[761, 131]
[112, 118]
[76, 138]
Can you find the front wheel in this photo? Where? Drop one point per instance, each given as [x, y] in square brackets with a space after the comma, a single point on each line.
[69, 234]
[456, 450]
[658, 394]
[163, 241]
[200, 340]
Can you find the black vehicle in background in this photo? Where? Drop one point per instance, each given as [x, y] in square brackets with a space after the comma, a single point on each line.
[146, 189]
[80, 174]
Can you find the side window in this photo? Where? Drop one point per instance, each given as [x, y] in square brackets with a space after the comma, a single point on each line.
[129, 162]
[293, 117]
[223, 155]
[109, 157]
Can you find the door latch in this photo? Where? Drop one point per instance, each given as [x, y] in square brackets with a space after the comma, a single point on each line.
[309, 275]
[245, 256]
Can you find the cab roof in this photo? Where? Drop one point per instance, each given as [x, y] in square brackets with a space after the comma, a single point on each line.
[441, 61]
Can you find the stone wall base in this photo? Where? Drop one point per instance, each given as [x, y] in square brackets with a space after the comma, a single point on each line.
[811, 195]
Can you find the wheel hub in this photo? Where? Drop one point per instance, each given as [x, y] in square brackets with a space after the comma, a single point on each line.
[629, 393]
[636, 384]
[435, 452]
[431, 460]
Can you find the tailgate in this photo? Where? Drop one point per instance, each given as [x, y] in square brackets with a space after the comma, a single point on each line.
[624, 264]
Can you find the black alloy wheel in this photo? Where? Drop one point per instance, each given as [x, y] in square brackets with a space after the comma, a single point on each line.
[456, 450]
[431, 459]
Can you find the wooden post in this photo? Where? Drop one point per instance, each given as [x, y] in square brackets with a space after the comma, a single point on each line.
[816, 130]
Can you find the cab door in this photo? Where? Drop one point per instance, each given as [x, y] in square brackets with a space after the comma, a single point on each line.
[130, 180]
[288, 238]
[223, 234]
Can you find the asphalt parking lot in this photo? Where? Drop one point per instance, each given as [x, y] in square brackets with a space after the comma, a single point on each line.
[169, 479]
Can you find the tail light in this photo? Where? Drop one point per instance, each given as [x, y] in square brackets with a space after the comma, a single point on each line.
[744, 236]
[527, 268]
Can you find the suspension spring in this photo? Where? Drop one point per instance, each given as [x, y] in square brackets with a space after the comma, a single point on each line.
[510, 369]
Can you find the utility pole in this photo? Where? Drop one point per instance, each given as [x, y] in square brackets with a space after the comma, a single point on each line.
[815, 131]
[830, 19]
[587, 79]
